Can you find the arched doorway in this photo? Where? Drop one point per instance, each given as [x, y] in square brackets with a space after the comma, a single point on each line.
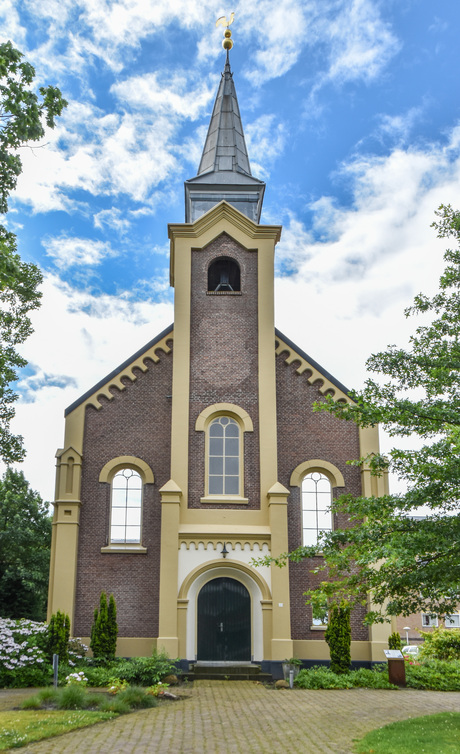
[224, 621]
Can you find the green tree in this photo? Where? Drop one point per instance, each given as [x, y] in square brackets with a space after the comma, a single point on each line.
[104, 630]
[409, 563]
[22, 117]
[58, 636]
[112, 625]
[25, 537]
[394, 641]
[338, 638]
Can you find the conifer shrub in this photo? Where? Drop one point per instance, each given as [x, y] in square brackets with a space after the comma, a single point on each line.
[338, 637]
[58, 636]
[104, 630]
[394, 641]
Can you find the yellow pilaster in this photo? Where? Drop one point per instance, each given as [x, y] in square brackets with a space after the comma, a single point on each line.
[371, 486]
[281, 644]
[168, 639]
[64, 540]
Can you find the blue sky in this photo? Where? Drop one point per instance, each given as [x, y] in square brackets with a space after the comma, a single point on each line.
[351, 113]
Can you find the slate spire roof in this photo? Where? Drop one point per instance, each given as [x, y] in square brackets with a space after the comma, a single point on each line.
[224, 172]
[225, 147]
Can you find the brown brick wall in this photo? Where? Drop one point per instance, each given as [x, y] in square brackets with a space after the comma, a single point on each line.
[224, 359]
[302, 436]
[136, 422]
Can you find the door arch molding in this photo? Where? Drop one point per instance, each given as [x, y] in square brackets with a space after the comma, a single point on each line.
[258, 590]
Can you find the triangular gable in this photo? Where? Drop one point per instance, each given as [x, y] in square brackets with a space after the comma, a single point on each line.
[330, 385]
[91, 397]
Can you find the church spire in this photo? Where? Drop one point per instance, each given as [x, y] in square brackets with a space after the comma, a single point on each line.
[224, 172]
[225, 147]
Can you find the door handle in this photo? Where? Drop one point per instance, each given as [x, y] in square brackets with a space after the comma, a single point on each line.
[221, 626]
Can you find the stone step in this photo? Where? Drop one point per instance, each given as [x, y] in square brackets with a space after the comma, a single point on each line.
[235, 672]
[209, 676]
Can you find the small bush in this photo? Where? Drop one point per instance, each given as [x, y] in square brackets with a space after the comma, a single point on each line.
[71, 697]
[320, 677]
[145, 671]
[94, 700]
[441, 644]
[438, 675]
[48, 695]
[32, 703]
[114, 705]
[115, 685]
[157, 689]
[136, 698]
[98, 675]
[394, 641]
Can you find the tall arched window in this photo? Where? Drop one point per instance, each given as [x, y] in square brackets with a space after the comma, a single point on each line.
[126, 507]
[224, 457]
[316, 506]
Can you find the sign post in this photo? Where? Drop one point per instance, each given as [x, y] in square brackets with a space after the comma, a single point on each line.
[396, 667]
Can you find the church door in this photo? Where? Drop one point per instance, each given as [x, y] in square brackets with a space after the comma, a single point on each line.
[224, 621]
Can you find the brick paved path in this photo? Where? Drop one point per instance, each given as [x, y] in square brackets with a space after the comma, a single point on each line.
[240, 717]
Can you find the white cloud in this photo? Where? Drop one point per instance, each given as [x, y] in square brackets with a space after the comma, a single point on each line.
[10, 24]
[70, 251]
[111, 218]
[113, 154]
[399, 126]
[78, 339]
[350, 35]
[265, 142]
[176, 97]
[347, 296]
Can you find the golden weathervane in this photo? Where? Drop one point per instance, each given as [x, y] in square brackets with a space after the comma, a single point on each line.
[227, 42]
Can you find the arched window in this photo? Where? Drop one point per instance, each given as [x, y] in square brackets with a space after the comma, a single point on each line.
[224, 456]
[316, 506]
[224, 275]
[126, 507]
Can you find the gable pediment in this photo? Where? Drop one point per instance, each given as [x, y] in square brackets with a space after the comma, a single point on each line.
[313, 372]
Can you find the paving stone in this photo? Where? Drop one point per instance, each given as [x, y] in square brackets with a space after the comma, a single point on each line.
[242, 717]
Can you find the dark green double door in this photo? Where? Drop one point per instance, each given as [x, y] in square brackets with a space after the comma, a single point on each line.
[224, 621]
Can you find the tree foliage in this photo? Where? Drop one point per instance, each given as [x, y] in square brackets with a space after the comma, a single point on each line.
[23, 116]
[25, 537]
[104, 630]
[338, 638]
[408, 562]
[58, 636]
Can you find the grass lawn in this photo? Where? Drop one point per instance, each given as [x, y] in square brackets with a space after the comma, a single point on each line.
[18, 728]
[432, 734]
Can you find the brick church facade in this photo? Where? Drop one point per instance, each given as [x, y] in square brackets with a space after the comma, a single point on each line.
[202, 452]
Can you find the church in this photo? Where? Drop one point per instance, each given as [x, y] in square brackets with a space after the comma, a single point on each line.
[201, 452]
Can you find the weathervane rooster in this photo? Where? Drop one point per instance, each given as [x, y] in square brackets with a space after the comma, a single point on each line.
[227, 42]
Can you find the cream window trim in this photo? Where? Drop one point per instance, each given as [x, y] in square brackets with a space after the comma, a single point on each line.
[224, 499]
[107, 475]
[224, 409]
[134, 549]
[203, 424]
[122, 462]
[334, 474]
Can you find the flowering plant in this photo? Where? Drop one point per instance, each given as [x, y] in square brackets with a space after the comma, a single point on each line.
[116, 685]
[22, 656]
[76, 679]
